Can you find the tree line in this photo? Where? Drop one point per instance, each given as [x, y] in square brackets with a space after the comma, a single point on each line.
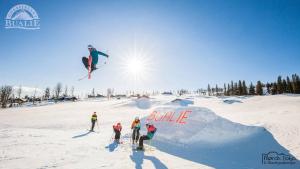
[279, 86]
[7, 96]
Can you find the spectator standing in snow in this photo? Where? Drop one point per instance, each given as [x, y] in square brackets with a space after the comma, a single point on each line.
[93, 120]
[117, 129]
[135, 126]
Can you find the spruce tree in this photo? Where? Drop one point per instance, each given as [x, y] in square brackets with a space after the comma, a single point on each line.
[245, 92]
[208, 90]
[251, 89]
[296, 81]
[289, 85]
[225, 91]
[279, 85]
[228, 90]
[274, 88]
[232, 89]
[259, 89]
[268, 85]
[284, 86]
[240, 88]
[235, 89]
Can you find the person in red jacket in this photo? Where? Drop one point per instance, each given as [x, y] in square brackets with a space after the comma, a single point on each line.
[150, 133]
[117, 129]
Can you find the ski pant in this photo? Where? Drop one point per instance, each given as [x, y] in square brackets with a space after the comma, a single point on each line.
[142, 138]
[135, 134]
[85, 61]
[93, 125]
[117, 134]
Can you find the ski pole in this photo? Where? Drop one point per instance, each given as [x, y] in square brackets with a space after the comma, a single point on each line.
[98, 126]
[131, 141]
[111, 137]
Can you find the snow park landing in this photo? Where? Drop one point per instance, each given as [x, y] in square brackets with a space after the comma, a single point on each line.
[149, 84]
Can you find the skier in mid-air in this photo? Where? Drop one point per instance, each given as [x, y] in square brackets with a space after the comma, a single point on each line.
[94, 55]
[150, 133]
[135, 126]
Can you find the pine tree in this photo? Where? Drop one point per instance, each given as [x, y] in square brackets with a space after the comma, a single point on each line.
[232, 89]
[289, 85]
[245, 92]
[284, 86]
[251, 89]
[268, 85]
[235, 89]
[208, 90]
[279, 85]
[240, 88]
[259, 89]
[274, 89]
[225, 91]
[296, 84]
[228, 90]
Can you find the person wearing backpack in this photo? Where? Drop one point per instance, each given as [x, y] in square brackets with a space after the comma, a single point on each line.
[150, 133]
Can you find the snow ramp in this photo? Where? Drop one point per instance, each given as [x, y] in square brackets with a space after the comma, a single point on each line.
[199, 135]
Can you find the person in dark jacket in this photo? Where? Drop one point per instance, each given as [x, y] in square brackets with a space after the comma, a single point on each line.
[93, 120]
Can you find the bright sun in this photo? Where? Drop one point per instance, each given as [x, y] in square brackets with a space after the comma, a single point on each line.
[136, 66]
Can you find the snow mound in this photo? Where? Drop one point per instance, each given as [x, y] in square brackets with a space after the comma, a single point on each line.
[198, 134]
[195, 126]
[182, 102]
[143, 103]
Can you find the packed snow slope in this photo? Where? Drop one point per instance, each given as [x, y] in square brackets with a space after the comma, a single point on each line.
[209, 132]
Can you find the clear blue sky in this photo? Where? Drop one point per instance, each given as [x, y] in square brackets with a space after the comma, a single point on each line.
[190, 43]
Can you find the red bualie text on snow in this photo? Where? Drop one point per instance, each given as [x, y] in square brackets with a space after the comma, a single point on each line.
[171, 117]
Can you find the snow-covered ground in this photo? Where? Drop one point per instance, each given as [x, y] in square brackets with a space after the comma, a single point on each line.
[209, 132]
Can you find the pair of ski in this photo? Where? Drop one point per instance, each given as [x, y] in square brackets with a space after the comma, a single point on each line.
[90, 59]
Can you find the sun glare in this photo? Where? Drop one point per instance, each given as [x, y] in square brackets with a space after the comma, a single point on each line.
[136, 66]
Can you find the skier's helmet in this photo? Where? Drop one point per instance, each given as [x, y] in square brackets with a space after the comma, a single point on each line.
[137, 118]
[90, 47]
[119, 123]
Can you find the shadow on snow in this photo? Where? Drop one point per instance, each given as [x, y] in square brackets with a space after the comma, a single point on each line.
[243, 153]
[112, 146]
[138, 158]
[82, 135]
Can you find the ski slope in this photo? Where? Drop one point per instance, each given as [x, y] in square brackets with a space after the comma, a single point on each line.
[227, 132]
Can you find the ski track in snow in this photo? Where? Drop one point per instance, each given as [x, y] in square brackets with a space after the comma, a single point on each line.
[56, 136]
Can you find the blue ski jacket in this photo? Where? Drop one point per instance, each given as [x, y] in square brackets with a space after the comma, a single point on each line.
[94, 53]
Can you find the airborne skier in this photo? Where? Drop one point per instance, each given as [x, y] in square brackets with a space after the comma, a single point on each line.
[91, 62]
